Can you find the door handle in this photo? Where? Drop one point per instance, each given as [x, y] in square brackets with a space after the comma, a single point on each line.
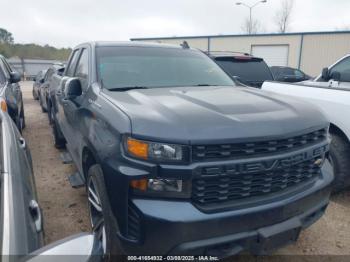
[35, 212]
[22, 143]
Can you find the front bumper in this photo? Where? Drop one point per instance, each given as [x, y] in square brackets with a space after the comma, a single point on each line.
[178, 227]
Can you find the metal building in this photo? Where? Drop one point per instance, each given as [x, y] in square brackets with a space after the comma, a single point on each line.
[308, 51]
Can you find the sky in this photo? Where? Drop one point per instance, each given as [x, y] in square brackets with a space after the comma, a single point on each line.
[66, 23]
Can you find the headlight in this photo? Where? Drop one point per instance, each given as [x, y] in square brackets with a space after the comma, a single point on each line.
[161, 187]
[153, 151]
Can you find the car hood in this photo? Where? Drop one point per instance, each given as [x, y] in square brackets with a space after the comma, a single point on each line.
[212, 114]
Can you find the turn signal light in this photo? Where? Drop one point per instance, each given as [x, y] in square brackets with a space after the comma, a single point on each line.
[140, 184]
[137, 148]
[3, 105]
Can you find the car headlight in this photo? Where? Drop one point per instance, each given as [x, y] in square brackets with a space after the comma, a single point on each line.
[158, 152]
[161, 187]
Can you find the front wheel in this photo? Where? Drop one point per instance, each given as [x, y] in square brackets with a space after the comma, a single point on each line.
[339, 156]
[103, 223]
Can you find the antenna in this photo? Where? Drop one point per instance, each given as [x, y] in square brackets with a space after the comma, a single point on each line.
[185, 45]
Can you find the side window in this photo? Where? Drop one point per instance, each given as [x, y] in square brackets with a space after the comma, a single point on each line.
[82, 71]
[342, 67]
[4, 68]
[72, 63]
[298, 74]
[2, 77]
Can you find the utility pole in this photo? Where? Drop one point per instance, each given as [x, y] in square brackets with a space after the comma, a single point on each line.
[250, 12]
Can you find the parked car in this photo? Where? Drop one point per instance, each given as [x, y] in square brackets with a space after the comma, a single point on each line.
[288, 74]
[245, 68]
[330, 91]
[21, 218]
[43, 91]
[21, 234]
[38, 81]
[11, 94]
[169, 148]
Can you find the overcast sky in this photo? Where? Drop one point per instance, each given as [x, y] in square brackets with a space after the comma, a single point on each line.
[66, 23]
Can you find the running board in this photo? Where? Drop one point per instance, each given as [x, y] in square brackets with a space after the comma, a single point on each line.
[66, 158]
[76, 180]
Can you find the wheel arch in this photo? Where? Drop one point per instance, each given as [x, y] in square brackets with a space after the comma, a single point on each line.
[88, 159]
[334, 129]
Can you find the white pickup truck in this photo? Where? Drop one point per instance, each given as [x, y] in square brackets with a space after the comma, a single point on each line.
[330, 91]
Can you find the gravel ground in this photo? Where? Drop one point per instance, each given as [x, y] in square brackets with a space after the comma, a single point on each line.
[65, 208]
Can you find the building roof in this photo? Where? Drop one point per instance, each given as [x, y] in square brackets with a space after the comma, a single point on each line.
[244, 35]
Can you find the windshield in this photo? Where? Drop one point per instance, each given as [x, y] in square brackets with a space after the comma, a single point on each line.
[122, 67]
[254, 70]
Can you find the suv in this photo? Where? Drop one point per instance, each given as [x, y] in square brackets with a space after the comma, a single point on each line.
[177, 159]
[247, 69]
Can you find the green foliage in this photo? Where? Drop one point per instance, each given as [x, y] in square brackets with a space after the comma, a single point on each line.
[5, 36]
[33, 51]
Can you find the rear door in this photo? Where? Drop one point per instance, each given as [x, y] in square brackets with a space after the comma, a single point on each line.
[61, 102]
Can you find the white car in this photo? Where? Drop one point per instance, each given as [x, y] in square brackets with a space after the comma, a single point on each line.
[330, 91]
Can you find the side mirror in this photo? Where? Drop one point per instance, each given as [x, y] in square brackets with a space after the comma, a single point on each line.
[42, 81]
[82, 248]
[325, 74]
[336, 76]
[72, 88]
[34, 79]
[15, 77]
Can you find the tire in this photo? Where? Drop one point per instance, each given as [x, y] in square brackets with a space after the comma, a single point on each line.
[22, 116]
[35, 96]
[49, 112]
[59, 142]
[41, 105]
[19, 123]
[339, 156]
[103, 222]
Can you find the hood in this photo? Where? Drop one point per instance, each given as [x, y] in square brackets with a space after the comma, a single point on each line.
[212, 114]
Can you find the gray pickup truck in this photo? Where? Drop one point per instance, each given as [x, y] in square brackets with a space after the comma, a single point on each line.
[179, 159]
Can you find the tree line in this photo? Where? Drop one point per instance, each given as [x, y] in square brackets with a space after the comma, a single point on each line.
[33, 51]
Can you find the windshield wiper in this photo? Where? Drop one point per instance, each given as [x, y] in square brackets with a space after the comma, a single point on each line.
[127, 88]
[204, 85]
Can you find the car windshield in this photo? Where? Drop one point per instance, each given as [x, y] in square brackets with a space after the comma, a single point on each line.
[253, 69]
[149, 67]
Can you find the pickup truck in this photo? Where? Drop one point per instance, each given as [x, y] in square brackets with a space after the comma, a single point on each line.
[178, 159]
[330, 92]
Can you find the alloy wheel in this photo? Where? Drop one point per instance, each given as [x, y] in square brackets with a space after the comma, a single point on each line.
[96, 214]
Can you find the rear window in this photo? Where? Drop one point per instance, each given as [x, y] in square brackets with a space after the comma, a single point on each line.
[253, 69]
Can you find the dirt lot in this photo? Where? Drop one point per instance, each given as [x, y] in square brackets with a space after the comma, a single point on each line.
[65, 208]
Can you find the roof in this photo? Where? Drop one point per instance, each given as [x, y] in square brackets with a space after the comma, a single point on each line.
[244, 35]
[130, 44]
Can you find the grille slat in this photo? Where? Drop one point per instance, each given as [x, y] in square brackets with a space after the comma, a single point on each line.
[243, 150]
[216, 190]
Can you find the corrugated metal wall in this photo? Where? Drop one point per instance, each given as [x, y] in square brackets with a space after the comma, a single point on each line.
[309, 51]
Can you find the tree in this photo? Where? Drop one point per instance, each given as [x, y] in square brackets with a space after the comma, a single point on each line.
[256, 26]
[283, 16]
[5, 36]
